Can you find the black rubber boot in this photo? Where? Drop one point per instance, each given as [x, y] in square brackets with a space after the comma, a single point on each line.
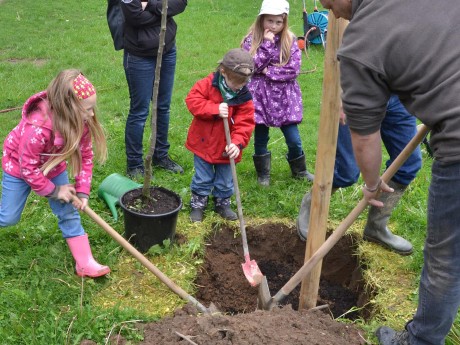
[376, 229]
[388, 336]
[303, 220]
[299, 168]
[198, 204]
[222, 208]
[262, 163]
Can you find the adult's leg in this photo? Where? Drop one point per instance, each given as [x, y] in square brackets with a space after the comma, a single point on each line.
[439, 290]
[168, 69]
[14, 197]
[140, 72]
[397, 129]
[346, 173]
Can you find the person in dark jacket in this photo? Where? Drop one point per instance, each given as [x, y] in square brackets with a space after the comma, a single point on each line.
[141, 42]
[221, 96]
[384, 51]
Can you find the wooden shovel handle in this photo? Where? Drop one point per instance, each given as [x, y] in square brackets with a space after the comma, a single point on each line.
[143, 260]
[237, 192]
[422, 131]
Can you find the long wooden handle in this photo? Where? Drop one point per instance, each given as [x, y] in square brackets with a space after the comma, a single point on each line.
[348, 221]
[237, 192]
[143, 260]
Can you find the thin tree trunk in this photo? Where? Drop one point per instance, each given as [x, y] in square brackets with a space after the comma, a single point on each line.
[153, 122]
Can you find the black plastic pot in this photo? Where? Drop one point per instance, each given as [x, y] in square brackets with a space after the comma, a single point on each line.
[145, 230]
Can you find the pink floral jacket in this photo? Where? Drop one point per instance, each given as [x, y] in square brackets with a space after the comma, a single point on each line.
[30, 144]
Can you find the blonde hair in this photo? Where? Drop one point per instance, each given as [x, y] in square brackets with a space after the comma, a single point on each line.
[287, 36]
[67, 119]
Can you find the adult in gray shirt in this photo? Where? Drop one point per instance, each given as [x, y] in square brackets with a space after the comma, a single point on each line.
[410, 48]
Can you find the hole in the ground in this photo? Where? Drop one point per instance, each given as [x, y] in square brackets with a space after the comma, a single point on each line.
[279, 254]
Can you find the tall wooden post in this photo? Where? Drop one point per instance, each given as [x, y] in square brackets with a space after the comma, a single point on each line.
[325, 159]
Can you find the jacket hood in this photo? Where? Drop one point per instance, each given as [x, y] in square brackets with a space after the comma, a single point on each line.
[36, 110]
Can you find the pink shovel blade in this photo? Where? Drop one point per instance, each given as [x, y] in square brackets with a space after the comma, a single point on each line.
[252, 272]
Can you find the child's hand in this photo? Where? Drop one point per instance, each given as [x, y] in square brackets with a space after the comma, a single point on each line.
[223, 110]
[232, 150]
[80, 203]
[64, 193]
[268, 35]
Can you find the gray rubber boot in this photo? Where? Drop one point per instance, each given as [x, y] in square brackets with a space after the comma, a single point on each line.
[198, 204]
[262, 163]
[376, 229]
[303, 220]
[299, 168]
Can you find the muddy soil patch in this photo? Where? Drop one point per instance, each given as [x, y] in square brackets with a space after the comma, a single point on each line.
[279, 254]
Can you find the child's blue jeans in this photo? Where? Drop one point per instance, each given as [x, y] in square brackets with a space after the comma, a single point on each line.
[212, 178]
[291, 136]
[14, 196]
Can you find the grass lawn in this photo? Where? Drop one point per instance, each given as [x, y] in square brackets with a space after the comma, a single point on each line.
[41, 300]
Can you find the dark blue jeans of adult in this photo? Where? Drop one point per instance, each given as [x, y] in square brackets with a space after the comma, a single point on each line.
[397, 129]
[140, 75]
[439, 289]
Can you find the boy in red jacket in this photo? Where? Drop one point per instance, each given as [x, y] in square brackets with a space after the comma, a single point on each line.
[221, 96]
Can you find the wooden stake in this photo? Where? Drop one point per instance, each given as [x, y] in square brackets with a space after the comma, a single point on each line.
[325, 159]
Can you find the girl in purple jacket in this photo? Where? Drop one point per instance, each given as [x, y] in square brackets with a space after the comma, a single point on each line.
[57, 125]
[275, 91]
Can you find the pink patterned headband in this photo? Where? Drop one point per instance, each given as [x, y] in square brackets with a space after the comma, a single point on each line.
[83, 87]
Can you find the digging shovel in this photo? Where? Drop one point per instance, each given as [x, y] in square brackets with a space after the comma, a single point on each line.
[265, 301]
[250, 268]
[147, 264]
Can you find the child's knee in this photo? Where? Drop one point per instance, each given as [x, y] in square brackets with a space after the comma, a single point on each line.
[8, 221]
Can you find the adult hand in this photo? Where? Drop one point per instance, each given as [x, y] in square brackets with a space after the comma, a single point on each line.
[232, 150]
[268, 35]
[223, 110]
[371, 193]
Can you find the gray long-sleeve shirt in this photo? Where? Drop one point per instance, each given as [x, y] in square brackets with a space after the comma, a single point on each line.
[411, 48]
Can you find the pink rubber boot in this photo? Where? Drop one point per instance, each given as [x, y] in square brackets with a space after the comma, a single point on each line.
[85, 266]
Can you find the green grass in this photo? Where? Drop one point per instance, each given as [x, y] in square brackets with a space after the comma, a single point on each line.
[41, 300]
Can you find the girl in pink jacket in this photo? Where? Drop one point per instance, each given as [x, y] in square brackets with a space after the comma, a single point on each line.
[57, 126]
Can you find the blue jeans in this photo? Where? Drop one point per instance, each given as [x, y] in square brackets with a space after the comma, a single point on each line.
[212, 178]
[140, 75]
[14, 196]
[439, 289]
[397, 129]
[291, 136]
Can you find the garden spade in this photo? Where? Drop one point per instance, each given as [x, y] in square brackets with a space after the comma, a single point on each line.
[250, 268]
[147, 264]
[265, 301]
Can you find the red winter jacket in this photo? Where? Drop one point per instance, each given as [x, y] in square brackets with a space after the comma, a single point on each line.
[206, 135]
